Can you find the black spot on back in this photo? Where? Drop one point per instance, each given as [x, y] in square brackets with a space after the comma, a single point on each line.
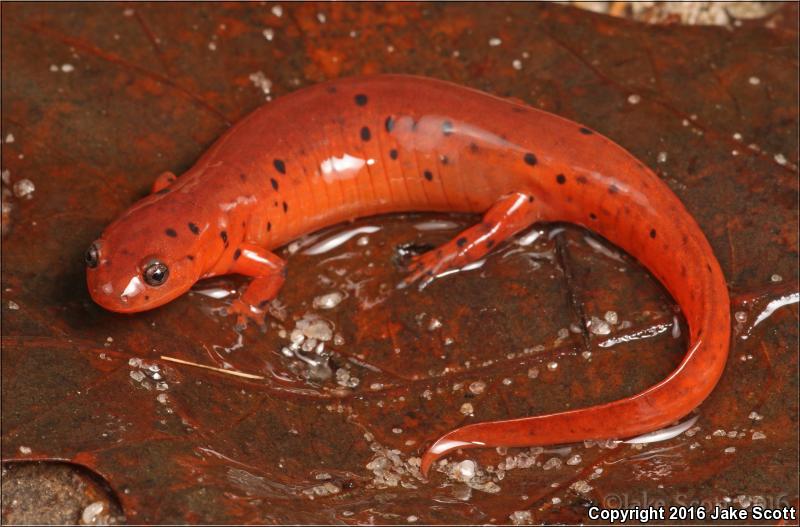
[447, 128]
[389, 124]
[224, 236]
[561, 179]
[428, 175]
[585, 131]
[592, 215]
[365, 134]
[243, 177]
[269, 226]
[190, 257]
[285, 206]
[461, 242]
[393, 153]
[473, 147]
[361, 99]
[194, 228]
[530, 159]
[171, 233]
[237, 253]
[652, 233]
[613, 189]
[280, 166]
[274, 183]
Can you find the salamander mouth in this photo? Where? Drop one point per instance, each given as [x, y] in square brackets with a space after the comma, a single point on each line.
[114, 301]
[133, 295]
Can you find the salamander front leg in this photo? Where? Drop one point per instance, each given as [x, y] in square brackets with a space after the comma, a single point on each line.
[508, 216]
[268, 272]
[163, 181]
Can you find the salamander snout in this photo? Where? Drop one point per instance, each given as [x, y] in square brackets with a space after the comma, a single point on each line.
[122, 281]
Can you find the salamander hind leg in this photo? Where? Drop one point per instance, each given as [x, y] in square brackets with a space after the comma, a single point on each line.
[268, 272]
[509, 215]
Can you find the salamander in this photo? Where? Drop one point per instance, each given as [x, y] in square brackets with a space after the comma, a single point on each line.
[390, 143]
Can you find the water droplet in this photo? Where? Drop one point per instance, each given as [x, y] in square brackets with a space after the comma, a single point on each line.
[477, 387]
[553, 462]
[465, 470]
[521, 518]
[328, 301]
[581, 487]
[599, 327]
[24, 188]
[90, 514]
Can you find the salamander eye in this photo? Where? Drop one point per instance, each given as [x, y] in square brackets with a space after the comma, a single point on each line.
[92, 256]
[156, 273]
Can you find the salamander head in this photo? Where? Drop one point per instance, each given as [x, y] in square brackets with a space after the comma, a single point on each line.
[142, 260]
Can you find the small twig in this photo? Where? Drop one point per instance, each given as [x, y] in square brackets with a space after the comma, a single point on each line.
[212, 368]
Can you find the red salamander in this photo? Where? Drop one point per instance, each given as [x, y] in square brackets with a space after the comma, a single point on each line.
[391, 143]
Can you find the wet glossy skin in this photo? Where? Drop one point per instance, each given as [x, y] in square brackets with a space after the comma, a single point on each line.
[358, 147]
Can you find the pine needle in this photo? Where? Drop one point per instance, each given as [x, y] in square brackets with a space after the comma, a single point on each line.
[212, 368]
